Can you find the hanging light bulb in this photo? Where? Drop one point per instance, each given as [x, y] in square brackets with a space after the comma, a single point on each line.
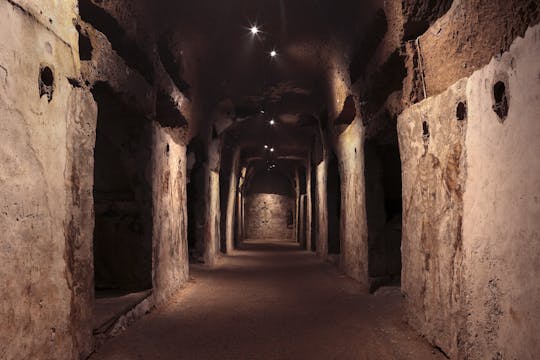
[254, 30]
[272, 122]
[273, 53]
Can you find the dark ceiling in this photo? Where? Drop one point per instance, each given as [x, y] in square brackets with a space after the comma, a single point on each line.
[235, 65]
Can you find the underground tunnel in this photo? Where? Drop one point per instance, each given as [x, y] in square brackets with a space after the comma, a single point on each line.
[303, 179]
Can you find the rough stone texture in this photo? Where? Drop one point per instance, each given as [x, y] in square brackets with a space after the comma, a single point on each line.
[170, 253]
[267, 216]
[321, 209]
[470, 212]
[231, 201]
[212, 206]
[433, 183]
[420, 14]
[453, 48]
[502, 207]
[81, 132]
[45, 266]
[353, 227]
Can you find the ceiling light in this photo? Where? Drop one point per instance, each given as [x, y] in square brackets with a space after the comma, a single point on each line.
[266, 146]
[254, 30]
[273, 53]
[271, 149]
[272, 122]
[262, 111]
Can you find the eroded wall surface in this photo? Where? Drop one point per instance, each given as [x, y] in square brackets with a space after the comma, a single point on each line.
[44, 258]
[268, 216]
[470, 208]
[432, 151]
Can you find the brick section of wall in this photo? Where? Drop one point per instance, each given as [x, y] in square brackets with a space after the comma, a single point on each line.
[267, 216]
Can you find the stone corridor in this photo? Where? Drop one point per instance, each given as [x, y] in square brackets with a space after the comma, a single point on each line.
[390, 146]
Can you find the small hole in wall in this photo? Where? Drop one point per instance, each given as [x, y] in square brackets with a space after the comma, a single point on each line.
[461, 111]
[46, 76]
[167, 149]
[501, 100]
[46, 82]
[425, 130]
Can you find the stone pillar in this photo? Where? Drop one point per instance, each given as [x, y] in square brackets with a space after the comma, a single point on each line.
[321, 209]
[353, 227]
[308, 206]
[169, 241]
[296, 206]
[212, 207]
[238, 220]
[231, 201]
[302, 225]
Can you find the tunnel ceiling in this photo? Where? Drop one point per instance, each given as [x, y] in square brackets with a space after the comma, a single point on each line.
[237, 64]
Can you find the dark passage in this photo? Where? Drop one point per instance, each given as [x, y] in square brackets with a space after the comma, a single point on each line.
[122, 203]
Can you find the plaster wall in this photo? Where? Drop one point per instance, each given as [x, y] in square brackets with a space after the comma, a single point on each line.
[170, 253]
[267, 216]
[433, 161]
[45, 191]
[470, 201]
[501, 227]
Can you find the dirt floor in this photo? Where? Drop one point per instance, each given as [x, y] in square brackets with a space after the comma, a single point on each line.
[272, 301]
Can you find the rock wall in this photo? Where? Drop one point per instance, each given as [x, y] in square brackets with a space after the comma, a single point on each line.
[470, 189]
[467, 49]
[45, 196]
[432, 151]
[268, 216]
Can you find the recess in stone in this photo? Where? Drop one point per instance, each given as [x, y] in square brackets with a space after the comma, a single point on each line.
[501, 100]
[46, 82]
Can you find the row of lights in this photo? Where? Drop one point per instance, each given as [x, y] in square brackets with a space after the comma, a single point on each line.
[272, 121]
[271, 149]
[254, 30]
